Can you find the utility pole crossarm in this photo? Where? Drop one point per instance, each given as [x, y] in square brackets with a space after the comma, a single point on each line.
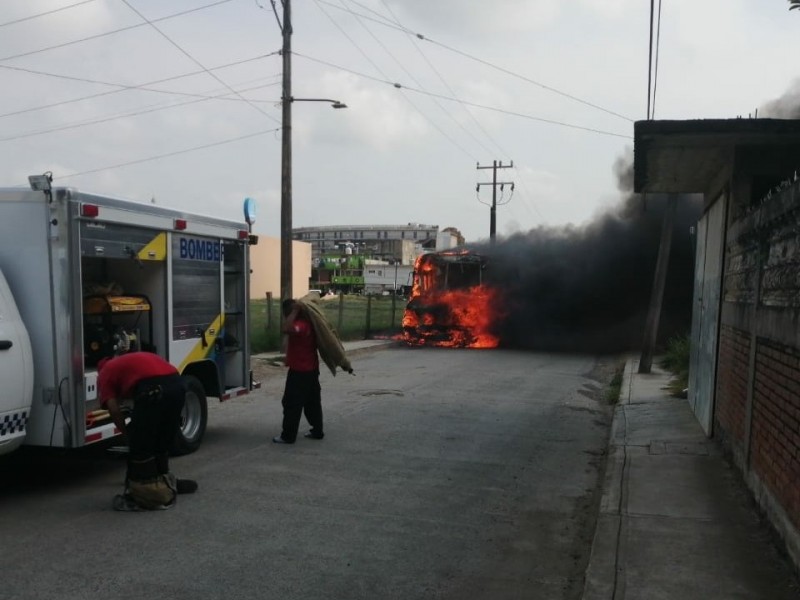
[492, 213]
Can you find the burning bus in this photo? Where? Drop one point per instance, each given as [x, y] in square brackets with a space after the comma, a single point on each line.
[450, 303]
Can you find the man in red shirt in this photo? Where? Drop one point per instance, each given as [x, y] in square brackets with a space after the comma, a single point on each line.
[158, 393]
[302, 394]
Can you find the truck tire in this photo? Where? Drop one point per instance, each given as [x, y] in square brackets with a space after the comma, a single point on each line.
[194, 418]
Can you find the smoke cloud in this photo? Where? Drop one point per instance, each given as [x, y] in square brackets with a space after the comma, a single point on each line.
[785, 107]
[588, 288]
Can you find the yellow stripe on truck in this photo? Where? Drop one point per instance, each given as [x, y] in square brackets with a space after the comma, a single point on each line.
[156, 249]
[198, 352]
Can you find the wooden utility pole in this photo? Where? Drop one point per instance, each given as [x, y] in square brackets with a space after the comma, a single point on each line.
[493, 211]
[659, 284]
[286, 156]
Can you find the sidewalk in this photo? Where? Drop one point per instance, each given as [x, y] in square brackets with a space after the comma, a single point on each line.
[675, 521]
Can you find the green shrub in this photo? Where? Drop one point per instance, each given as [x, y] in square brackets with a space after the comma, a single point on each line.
[615, 387]
[676, 361]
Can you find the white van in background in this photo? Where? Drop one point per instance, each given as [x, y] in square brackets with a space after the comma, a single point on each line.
[16, 372]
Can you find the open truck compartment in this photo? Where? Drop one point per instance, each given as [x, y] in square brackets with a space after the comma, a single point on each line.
[95, 275]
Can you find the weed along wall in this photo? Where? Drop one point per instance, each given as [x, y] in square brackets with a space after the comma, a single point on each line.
[757, 404]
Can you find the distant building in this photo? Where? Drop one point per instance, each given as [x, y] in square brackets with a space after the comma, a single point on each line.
[265, 267]
[340, 254]
[387, 242]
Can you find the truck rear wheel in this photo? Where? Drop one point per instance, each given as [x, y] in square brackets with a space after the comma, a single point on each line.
[194, 418]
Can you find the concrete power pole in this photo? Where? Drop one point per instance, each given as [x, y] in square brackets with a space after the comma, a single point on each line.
[286, 156]
[659, 283]
[493, 211]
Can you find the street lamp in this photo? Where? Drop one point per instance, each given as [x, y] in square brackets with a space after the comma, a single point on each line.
[286, 151]
[333, 103]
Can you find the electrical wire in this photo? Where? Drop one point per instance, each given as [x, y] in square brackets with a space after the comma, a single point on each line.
[277, 18]
[197, 62]
[113, 32]
[170, 154]
[378, 69]
[473, 104]
[438, 74]
[44, 14]
[655, 75]
[143, 111]
[412, 40]
[121, 86]
[486, 63]
[447, 113]
[472, 116]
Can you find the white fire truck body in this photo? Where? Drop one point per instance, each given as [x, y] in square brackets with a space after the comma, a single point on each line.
[93, 274]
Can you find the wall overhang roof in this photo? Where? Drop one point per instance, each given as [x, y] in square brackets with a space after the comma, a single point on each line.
[687, 156]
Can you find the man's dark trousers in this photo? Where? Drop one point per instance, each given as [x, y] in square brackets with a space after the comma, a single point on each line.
[154, 424]
[302, 394]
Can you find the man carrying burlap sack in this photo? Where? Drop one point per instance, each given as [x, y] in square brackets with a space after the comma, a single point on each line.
[157, 393]
[308, 333]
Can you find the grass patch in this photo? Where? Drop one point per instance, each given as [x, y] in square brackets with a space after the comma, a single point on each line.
[676, 361]
[615, 387]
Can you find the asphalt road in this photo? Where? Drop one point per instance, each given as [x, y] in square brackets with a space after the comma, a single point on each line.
[443, 474]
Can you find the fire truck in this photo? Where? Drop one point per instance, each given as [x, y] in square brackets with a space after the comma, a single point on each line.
[91, 276]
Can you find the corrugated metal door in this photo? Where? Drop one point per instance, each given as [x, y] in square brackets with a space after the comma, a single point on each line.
[705, 314]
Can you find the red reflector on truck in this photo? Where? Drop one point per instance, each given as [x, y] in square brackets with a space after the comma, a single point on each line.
[90, 210]
[243, 234]
[180, 224]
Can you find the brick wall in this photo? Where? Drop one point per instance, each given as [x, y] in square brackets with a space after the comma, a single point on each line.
[775, 437]
[731, 405]
[757, 410]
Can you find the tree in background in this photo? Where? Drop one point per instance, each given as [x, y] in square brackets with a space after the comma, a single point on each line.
[794, 4]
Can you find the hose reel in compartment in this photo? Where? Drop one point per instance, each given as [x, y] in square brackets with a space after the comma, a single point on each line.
[113, 325]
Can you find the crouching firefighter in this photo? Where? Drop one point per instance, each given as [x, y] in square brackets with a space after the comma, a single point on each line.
[150, 389]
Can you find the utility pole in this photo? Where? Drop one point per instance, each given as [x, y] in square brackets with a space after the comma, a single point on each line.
[286, 156]
[659, 283]
[493, 211]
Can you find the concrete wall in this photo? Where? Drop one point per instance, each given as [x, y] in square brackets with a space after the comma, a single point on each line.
[265, 263]
[757, 405]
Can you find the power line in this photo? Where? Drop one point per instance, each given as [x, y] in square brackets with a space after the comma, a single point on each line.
[115, 31]
[44, 14]
[474, 104]
[527, 204]
[650, 61]
[415, 80]
[121, 86]
[143, 111]
[378, 69]
[658, 46]
[485, 62]
[197, 62]
[169, 154]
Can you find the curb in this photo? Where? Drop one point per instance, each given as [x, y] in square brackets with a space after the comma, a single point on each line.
[600, 578]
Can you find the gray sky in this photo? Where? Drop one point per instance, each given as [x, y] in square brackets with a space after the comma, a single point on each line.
[544, 83]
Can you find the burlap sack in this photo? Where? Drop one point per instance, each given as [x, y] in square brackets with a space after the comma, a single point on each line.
[152, 494]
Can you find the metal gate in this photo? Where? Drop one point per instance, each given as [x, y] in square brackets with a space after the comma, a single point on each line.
[705, 313]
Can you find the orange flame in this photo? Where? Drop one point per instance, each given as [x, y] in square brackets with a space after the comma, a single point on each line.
[461, 317]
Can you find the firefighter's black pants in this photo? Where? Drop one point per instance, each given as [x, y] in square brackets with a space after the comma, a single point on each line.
[154, 424]
[302, 394]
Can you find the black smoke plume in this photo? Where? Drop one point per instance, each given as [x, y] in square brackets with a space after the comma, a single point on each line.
[588, 288]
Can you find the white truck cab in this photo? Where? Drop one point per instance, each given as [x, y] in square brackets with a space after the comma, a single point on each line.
[16, 372]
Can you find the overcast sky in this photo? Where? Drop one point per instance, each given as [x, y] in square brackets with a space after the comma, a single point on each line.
[552, 85]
